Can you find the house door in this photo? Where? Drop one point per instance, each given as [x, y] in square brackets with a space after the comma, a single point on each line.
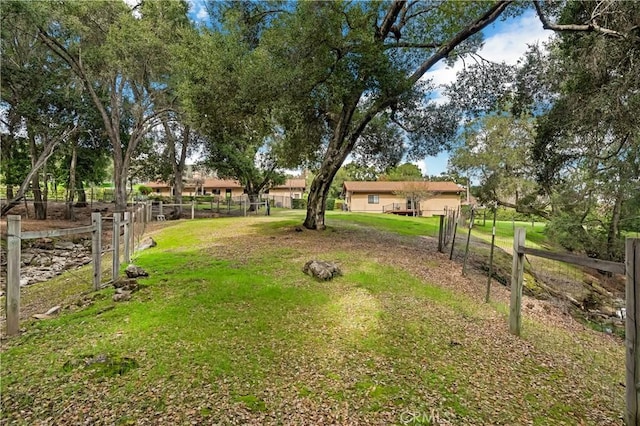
[410, 204]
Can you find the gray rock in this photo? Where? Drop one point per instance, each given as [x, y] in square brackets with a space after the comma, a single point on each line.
[124, 284]
[146, 243]
[54, 311]
[27, 258]
[321, 269]
[65, 245]
[122, 296]
[41, 316]
[44, 244]
[134, 271]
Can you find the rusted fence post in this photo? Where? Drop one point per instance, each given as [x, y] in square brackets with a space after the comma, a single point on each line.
[517, 277]
[96, 248]
[13, 274]
[632, 330]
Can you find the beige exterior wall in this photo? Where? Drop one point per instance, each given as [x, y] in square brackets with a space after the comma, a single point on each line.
[166, 192]
[437, 204]
[286, 192]
[359, 202]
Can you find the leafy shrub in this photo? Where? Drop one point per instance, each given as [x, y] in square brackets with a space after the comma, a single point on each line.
[144, 190]
[299, 204]
[331, 202]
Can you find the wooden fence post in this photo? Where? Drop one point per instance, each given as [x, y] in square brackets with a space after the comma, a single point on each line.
[632, 330]
[96, 249]
[517, 276]
[160, 208]
[493, 244]
[13, 274]
[440, 234]
[193, 209]
[115, 247]
[127, 237]
[466, 248]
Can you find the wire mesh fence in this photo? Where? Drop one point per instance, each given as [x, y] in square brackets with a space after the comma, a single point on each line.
[596, 296]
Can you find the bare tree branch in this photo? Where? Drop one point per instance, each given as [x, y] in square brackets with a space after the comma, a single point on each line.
[591, 26]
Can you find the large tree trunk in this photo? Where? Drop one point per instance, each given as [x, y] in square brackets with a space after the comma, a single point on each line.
[612, 232]
[120, 184]
[71, 188]
[82, 195]
[319, 191]
[39, 209]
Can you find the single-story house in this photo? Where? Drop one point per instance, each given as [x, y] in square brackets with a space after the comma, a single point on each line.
[406, 197]
[292, 188]
[224, 187]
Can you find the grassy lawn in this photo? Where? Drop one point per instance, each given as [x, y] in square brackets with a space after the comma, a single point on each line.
[227, 330]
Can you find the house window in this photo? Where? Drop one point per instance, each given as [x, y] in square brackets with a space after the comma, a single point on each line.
[215, 191]
[374, 199]
[157, 190]
[228, 193]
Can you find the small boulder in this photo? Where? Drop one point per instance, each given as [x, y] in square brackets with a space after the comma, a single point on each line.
[130, 285]
[41, 316]
[146, 243]
[65, 245]
[43, 244]
[321, 269]
[54, 311]
[134, 271]
[122, 296]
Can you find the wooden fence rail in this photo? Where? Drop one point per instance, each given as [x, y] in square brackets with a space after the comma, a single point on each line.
[15, 237]
[631, 268]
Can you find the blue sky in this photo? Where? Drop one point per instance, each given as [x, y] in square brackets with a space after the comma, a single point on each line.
[504, 41]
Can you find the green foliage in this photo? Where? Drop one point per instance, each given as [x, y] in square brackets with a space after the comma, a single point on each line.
[298, 203]
[331, 202]
[144, 190]
[406, 171]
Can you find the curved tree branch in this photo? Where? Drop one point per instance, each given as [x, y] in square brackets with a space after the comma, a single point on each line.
[591, 26]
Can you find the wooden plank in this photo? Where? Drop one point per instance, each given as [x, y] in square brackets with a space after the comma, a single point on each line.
[96, 249]
[517, 277]
[632, 331]
[603, 265]
[56, 232]
[13, 274]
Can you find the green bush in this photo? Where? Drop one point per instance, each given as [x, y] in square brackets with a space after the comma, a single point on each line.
[299, 204]
[144, 190]
[331, 202]
[338, 205]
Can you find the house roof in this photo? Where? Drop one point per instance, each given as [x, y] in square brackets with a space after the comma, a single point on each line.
[208, 183]
[390, 186]
[221, 183]
[291, 183]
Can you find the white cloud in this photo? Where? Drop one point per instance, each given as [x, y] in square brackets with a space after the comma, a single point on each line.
[202, 13]
[508, 44]
[422, 165]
